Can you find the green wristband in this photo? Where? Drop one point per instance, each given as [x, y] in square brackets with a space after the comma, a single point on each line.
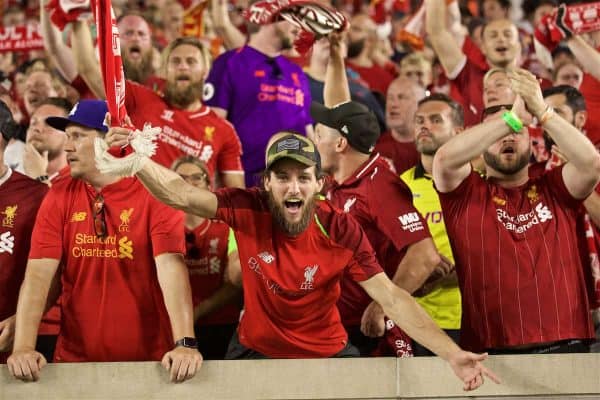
[513, 121]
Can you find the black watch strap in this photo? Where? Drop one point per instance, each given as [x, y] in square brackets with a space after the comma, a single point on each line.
[188, 342]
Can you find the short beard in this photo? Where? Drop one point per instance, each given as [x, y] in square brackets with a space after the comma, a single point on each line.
[139, 72]
[291, 228]
[427, 149]
[181, 98]
[355, 48]
[495, 163]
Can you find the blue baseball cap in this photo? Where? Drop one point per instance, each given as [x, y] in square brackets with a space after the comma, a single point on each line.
[87, 113]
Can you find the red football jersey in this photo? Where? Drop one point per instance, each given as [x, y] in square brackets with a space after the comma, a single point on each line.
[206, 259]
[517, 261]
[403, 155]
[382, 205]
[112, 304]
[20, 198]
[291, 284]
[201, 134]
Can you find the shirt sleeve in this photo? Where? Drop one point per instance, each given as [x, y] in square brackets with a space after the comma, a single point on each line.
[556, 184]
[346, 232]
[236, 207]
[230, 155]
[166, 229]
[218, 91]
[46, 239]
[395, 213]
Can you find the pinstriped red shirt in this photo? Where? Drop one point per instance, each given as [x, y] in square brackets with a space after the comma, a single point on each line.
[517, 261]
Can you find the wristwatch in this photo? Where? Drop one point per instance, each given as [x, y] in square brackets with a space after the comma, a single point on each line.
[188, 342]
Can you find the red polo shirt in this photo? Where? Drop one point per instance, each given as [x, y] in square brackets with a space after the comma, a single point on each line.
[291, 284]
[112, 304]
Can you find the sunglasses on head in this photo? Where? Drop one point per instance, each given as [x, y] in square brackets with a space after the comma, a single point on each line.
[494, 109]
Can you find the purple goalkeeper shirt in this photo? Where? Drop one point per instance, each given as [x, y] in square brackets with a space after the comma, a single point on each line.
[262, 96]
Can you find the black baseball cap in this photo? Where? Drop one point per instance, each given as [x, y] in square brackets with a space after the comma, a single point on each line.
[296, 147]
[353, 120]
[88, 113]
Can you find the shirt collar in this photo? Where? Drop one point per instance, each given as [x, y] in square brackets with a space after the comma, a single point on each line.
[363, 170]
[420, 171]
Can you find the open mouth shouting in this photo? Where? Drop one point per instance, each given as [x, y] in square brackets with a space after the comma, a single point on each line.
[293, 206]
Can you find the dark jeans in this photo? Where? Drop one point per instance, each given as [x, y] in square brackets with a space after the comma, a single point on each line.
[421, 351]
[366, 345]
[564, 346]
[46, 344]
[238, 351]
[213, 340]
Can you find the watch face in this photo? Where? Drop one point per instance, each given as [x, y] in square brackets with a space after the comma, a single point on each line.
[187, 342]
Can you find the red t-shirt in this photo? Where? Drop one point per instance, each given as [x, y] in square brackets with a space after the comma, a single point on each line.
[517, 261]
[590, 89]
[382, 205]
[202, 133]
[403, 155]
[82, 88]
[20, 198]
[378, 78]
[112, 304]
[206, 259]
[291, 284]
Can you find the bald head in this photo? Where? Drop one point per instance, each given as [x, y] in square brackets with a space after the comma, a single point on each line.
[401, 104]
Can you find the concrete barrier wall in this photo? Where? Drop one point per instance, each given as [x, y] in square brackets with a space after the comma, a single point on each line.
[549, 376]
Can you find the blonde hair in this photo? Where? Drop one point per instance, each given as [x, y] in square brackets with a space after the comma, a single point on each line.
[416, 59]
[192, 41]
[491, 72]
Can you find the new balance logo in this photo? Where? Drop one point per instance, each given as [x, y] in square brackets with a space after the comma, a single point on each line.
[7, 243]
[267, 257]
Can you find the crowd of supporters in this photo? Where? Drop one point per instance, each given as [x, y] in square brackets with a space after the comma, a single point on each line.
[452, 147]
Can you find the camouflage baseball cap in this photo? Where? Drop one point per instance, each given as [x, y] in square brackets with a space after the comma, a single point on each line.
[295, 147]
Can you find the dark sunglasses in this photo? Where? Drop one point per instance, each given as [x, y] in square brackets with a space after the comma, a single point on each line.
[494, 109]
[99, 217]
[192, 251]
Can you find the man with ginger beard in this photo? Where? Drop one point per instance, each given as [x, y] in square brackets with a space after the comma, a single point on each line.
[294, 248]
[188, 127]
[136, 50]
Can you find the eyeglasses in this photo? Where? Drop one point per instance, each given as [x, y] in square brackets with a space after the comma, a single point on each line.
[195, 178]
[99, 217]
[191, 250]
[494, 109]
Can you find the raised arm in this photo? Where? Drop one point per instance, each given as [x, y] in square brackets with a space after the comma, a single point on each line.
[401, 307]
[164, 184]
[25, 363]
[582, 173]
[442, 40]
[231, 35]
[336, 88]
[85, 58]
[451, 163]
[587, 56]
[56, 49]
[182, 362]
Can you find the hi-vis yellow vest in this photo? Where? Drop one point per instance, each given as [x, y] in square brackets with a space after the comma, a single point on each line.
[443, 302]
